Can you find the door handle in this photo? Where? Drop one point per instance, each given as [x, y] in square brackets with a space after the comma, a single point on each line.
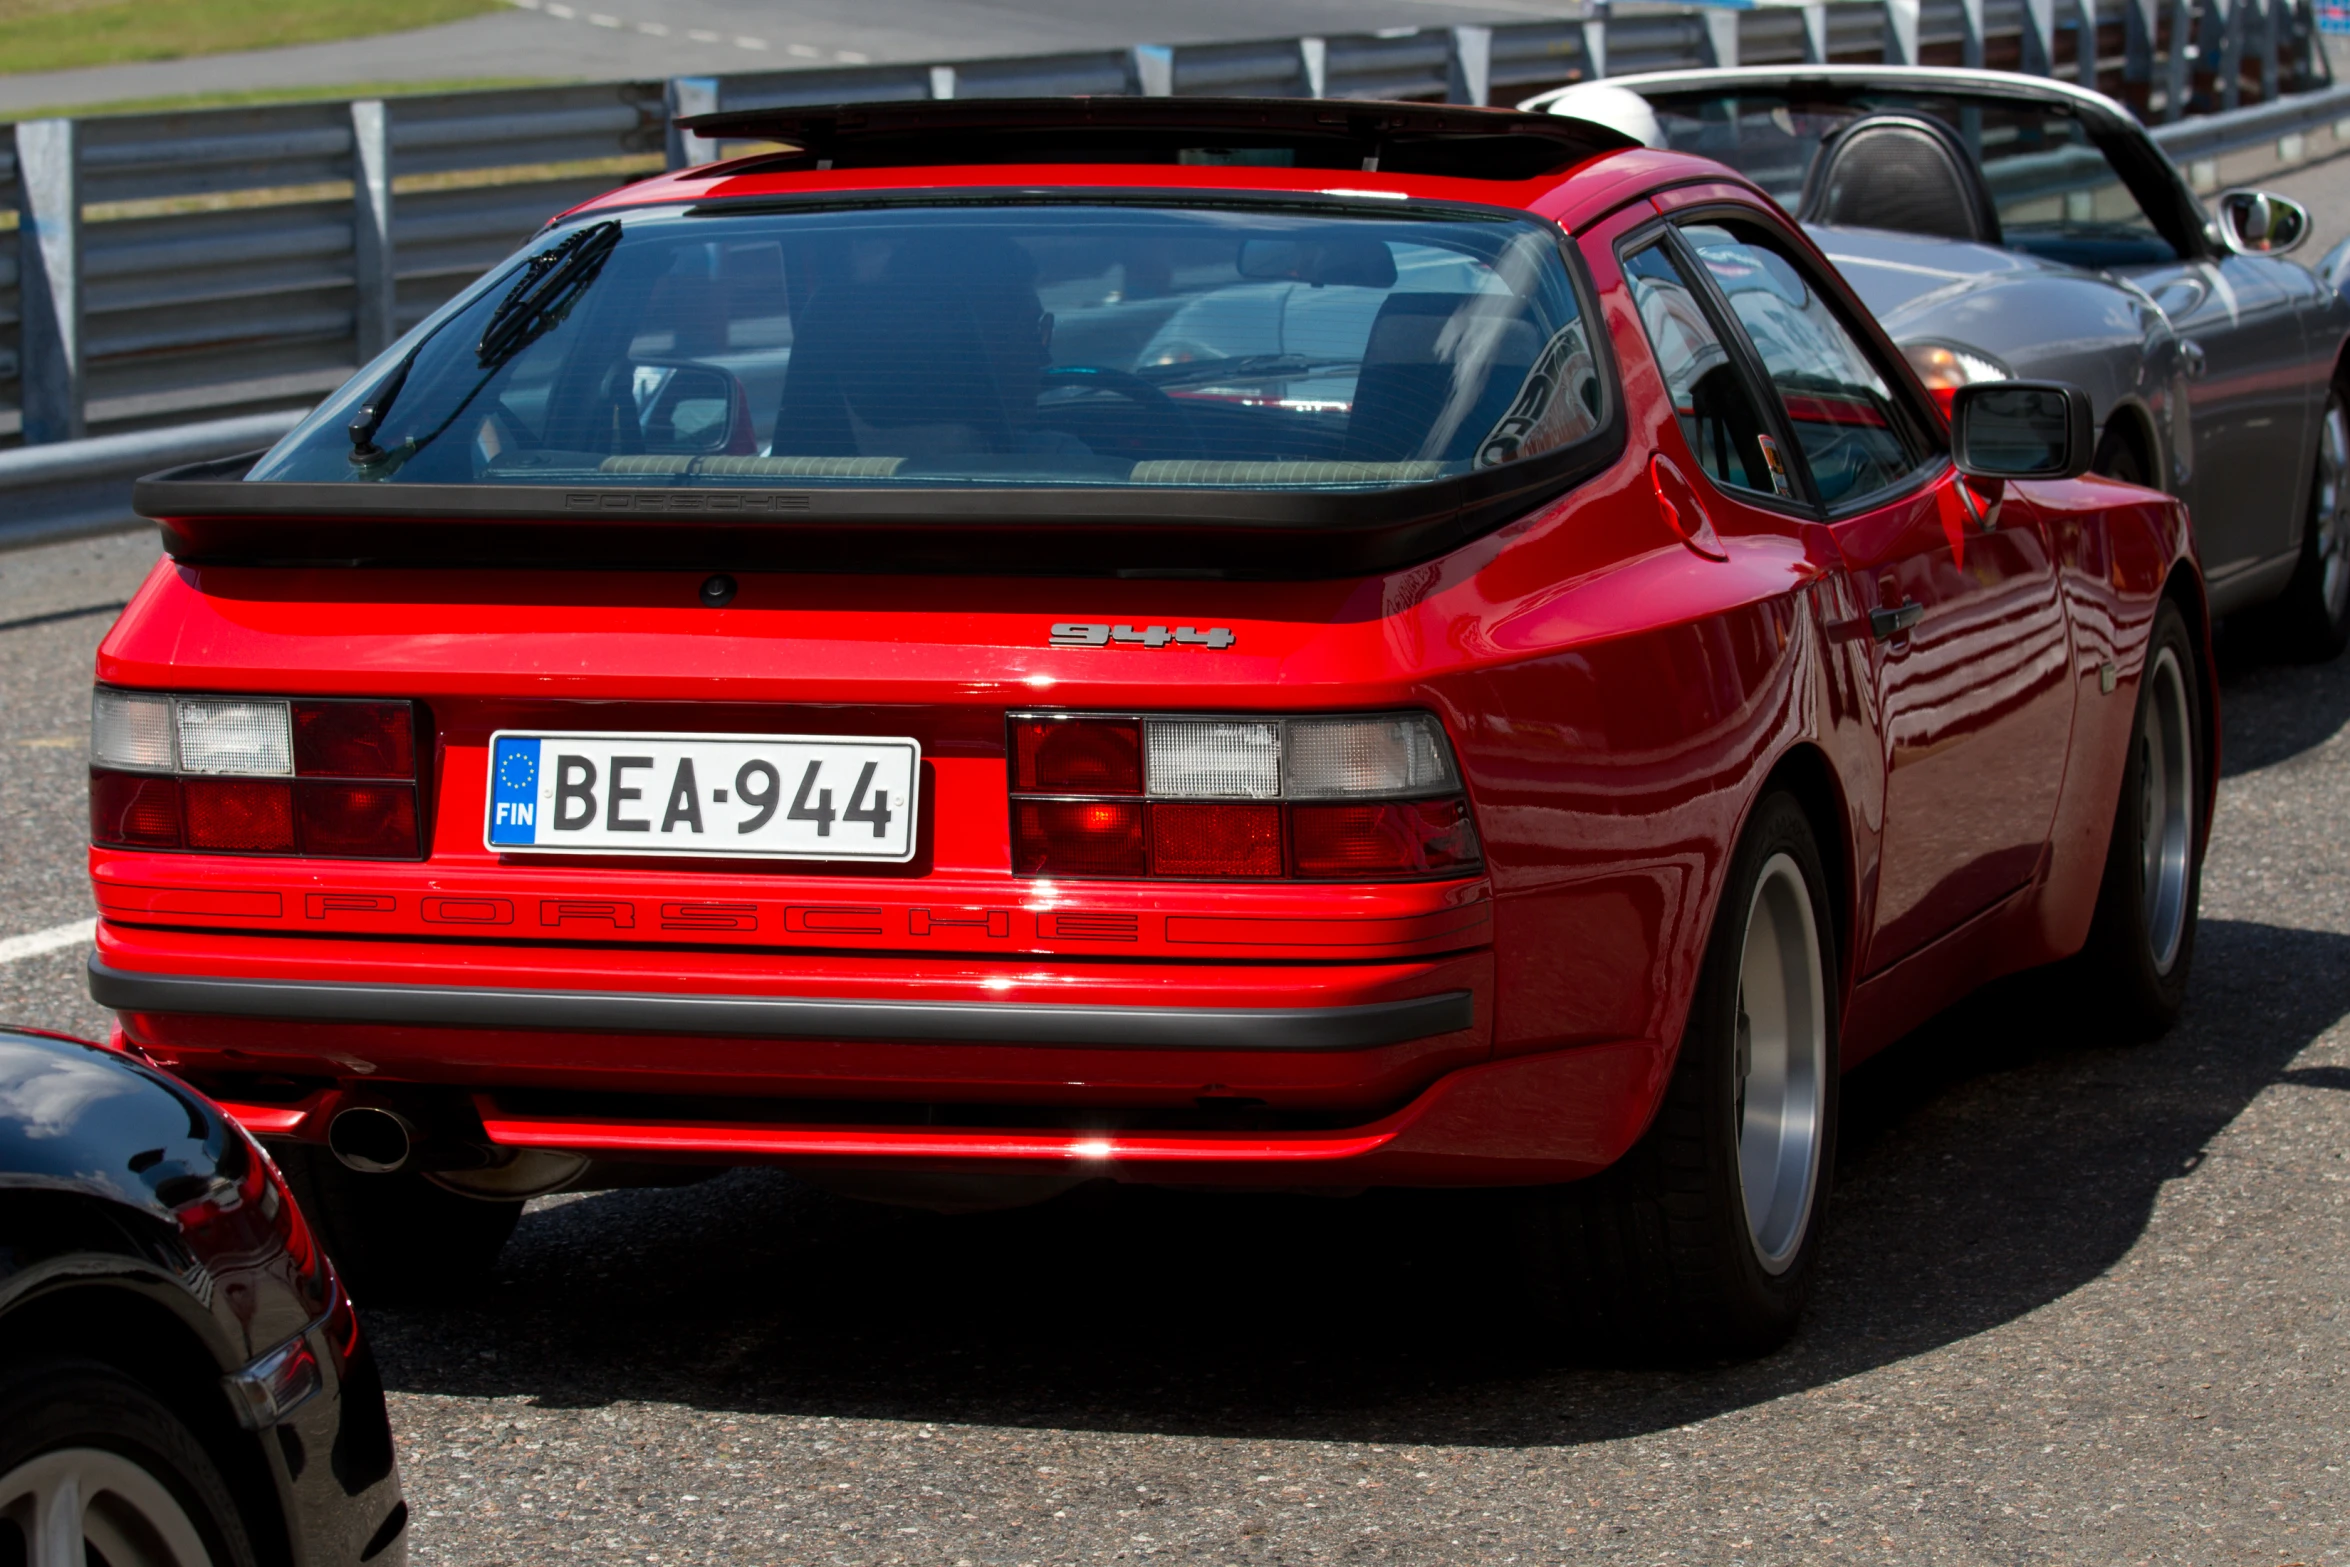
[2192, 359]
[1890, 623]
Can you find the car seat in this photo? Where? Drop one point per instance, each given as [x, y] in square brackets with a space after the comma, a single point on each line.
[1907, 172]
[1438, 370]
[942, 351]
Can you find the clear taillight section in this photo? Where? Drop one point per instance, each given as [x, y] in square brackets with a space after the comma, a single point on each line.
[1372, 798]
[325, 777]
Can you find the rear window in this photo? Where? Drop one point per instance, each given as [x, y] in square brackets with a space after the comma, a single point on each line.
[1081, 344]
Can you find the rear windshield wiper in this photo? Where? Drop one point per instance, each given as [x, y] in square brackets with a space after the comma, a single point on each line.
[550, 285]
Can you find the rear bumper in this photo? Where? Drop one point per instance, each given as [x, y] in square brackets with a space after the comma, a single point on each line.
[1360, 1027]
[1280, 1074]
[1526, 1120]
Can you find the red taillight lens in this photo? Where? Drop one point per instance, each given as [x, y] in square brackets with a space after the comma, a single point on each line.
[252, 815]
[134, 810]
[1079, 838]
[1215, 840]
[354, 740]
[1409, 837]
[248, 774]
[1078, 755]
[374, 821]
[1369, 796]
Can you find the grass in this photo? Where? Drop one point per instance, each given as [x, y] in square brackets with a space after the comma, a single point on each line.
[59, 35]
[244, 97]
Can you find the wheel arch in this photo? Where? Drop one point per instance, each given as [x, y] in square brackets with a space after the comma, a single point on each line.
[2131, 420]
[120, 1323]
[1805, 773]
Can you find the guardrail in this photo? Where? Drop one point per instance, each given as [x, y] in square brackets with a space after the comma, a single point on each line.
[165, 268]
[79, 488]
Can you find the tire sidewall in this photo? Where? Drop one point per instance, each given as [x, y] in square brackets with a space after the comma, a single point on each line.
[45, 1408]
[2165, 990]
[1778, 826]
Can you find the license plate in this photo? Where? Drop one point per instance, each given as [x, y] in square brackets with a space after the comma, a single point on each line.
[790, 797]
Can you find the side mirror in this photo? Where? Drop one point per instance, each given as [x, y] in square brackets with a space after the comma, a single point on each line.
[2021, 430]
[685, 410]
[2256, 223]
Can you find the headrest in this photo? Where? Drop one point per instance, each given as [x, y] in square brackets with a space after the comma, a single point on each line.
[1910, 173]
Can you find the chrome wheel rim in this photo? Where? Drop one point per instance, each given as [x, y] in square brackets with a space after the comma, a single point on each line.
[2166, 808]
[1782, 1063]
[2332, 507]
[83, 1504]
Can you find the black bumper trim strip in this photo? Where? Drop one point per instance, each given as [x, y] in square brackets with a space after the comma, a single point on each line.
[790, 1017]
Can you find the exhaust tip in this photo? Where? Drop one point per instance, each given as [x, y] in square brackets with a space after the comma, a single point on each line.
[370, 1140]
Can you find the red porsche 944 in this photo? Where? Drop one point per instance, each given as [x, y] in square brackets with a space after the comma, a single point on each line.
[982, 646]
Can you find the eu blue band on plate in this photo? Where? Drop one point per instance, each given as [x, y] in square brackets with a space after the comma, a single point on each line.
[514, 791]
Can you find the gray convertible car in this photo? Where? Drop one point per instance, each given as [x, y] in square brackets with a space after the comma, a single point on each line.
[2010, 227]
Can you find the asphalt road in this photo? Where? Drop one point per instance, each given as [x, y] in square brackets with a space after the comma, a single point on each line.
[605, 40]
[2082, 1303]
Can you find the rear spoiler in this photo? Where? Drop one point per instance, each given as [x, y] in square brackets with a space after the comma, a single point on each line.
[209, 514]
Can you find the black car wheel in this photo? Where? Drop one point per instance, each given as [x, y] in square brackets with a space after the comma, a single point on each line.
[1702, 1239]
[2317, 601]
[95, 1468]
[2142, 941]
[396, 1237]
[2118, 457]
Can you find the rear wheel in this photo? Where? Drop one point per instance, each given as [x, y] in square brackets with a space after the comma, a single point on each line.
[2316, 603]
[396, 1237]
[94, 1468]
[1702, 1239]
[2142, 942]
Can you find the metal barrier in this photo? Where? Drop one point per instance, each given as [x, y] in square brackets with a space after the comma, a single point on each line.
[78, 488]
[172, 267]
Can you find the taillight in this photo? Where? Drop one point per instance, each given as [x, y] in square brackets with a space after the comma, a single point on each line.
[1373, 798]
[254, 775]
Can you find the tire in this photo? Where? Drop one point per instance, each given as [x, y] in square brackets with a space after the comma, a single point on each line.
[2316, 603]
[2118, 457]
[2142, 940]
[149, 1494]
[396, 1238]
[1702, 1240]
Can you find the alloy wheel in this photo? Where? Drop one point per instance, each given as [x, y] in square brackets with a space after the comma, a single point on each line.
[84, 1504]
[1782, 1063]
[2166, 808]
[2331, 506]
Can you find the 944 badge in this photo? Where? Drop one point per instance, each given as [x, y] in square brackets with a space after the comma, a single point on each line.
[1075, 633]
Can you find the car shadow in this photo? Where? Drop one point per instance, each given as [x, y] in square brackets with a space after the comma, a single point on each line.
[2273, 709]
[1993, 1162]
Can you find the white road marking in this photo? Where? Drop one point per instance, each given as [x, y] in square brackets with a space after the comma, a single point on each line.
[700, 35]
[55, 938]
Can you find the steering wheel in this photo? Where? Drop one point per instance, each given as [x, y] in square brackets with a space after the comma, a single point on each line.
[1126, 384]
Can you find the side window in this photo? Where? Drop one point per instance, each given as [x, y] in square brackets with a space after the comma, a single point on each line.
[2060, 196]
[1713, 401]
[1838, 407]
